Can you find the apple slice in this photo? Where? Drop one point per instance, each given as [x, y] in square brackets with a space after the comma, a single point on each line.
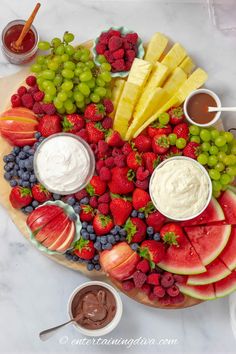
[126, 269]
[23, 142]
[19, 113]
[54, 236]
[17, 125]
[117, 255]
[12, 134]
[42, 215]
[64, 242]
[54, 227]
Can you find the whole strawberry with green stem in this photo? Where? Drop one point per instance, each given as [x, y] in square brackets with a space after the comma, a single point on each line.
[84, 249]
[136, 230]
[153, 251]
[176, 115]
[114, 139]
[95, 112]
[102, 224]
[96, 186]
[72, 123]
[172, 234]
[20, 197]
[86, 213]
[192, 150]
[49, 125]
[121, 208]
[95, 132]
[140, 199]
[121, 180]
[40, 193]
[156, 220]
[160, 144]
[134, 160]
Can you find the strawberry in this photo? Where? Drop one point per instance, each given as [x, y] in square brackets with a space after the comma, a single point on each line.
[176, 115]
[84, 249]
[134, 160]
[142, 174]
[150, 160]
[156, 220]
[140, 199]
[121, 180]
[94, 112]
[49, 125]
[174, 151]
[72, 123]
[86, 213]
[120, 209]
[181, 130]
[40, 193]
[172, 234]
[102, 224]
[128, 285]
[95, 132]
[127, 148]
[192, 150]
[96, 186]
[113, 138]
[143, 266]
[20, 197]
[146, 288]
[153, 251]
[143, 143]
[153, 279]
[157, 128]
[160, 144]
[136, 230]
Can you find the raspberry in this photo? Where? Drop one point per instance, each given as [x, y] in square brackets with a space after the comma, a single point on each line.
[118, 65]
[146, 288]
[115, 43]
[83, 134]
[167, 280]
[107, 123]
[38, 96]
[128, 65]
[115, 33]
[127, 285]
[33, 90]
[103, 147]
[109, 162]
[22, 90]
[27, 100]
[159, 291]
[37, 108]
[165, 300]
[49, 108]
[103, 208]
[139, 279]
[141, 173]
[81, 194]
[120, 161]
[93, 202]
[173, 291]
[100, 48]
[142, 184]
[31, 80]
[119, 54]
[99, 165]
[94, 147]
[105, 198]
[130, 55]
[153, 279]
[105, 174]
[126, 149]
[152, 296]
[109, 108]
[180, 278]
[143, 265]
[177, 299]
[15, 101]
[104, 38]
[127, 45]
[132, 37]
[116, 152]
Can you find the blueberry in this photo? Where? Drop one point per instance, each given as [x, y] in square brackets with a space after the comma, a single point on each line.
[16, 150]
[69, 256]
[26, 148]
[92, 237]
[85, 235]
[31, 158]
[122, 238]
[90, 228]
[150, 230]
[98, 238]
[71, 201]
[13, 183]
[25, 176]
[11, 165]
[29, 165]
[19, 182]
[117, 228]
[41, 139]
[17, 159]
[90, 266]
[5, 158]
[97, 266]
[134, 214]
[7, 168]
[117, 237]
[29, 209]
[25, 184]
[84, 200]
[11, 158]
[103, 240]
[77, 208]
[141, 215]
[31, 152]
[55, 195]
[36, 145]
[96, 257]
[22, 155]
[22, 163]
[107, 246]
[98, 246]
[123, 232]
[37, 135]
[20, 172]
[157, 236]
[75, 258]
[32, 184]
[111, 239]
[35, 203]
[84, 225]
[134, 246]
[113, 231]
[7, 176]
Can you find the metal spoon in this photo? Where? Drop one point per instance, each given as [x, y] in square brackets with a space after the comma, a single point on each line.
[48, 333]
[221, 109]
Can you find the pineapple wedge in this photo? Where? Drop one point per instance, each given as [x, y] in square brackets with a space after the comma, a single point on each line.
[174, 57]
[149, 103]
[116, 93]
[158, 76]
[139, 72]
[195, 80]
[156, 47]
[187, 65]
[175, 80]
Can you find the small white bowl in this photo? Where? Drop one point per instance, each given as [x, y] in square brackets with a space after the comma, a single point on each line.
[201, 168]
[213, 95]
[115, 321]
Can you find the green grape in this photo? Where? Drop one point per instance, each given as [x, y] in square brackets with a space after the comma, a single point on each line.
[78, 71]
[164, 118]
[80, 65]
[219, 166]
[85, 76]
[220, 141]
[90, 64]
[101, 59]
[71, 110]
[228, 137]
[100, 82]
[224, 148]
[61, 110]
[60, 50]
[214, 134]
[84, 89]
[77, 55]
[221, 156]
[53, 66]
[45, 84]
[229, 160]
[69, 49]
[202, 159]
[40, 80]
[91, 83]
[231, 170]
[205, 135]
[78, 97]
[94, 98]
[40, 59]
[214, 174]
[62, 96]
[181, 143]
[58, 80]
[100, 91]
[68, 37]
[48, 98]
[216, 194]
[106, 67]
[70, 94]
[85, 50]
[57, 103]
[225, 179]
[233, 149]
[51, 90]
[48, 74]
[44, 45]
[195, 139]
[55, 42]
[194, 130]
[64, 58]
[216, 185]
[69, 65]
[109, 93]
[87, 100]
[67, 86]
[212, 160]
[172, 138]
[68, 104]
[67, 73]
[213, 150]
[223, 188]
[106, 76]
[80, 105]
[205, 146]
[36, 68]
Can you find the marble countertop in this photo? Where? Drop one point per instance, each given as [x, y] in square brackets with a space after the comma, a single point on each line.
[34, 290]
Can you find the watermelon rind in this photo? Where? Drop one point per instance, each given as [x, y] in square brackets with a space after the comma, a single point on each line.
[202, 292]
[232, 188]
[225, 286]
[228, 255]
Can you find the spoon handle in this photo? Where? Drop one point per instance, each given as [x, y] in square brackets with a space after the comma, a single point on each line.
[48, 333]
[221, 109]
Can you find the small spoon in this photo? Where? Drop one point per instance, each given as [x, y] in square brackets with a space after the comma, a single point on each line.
[48, 333]
[221, 109]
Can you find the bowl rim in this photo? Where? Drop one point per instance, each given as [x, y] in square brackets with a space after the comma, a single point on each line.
[110, 326]
[201, 168]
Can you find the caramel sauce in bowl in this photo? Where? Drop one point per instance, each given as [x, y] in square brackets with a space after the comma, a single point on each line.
[196, 107]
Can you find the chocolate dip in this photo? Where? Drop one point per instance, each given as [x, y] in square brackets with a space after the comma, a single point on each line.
[96, 304]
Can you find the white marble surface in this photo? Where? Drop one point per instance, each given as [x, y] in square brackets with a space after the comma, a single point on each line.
[33, 289]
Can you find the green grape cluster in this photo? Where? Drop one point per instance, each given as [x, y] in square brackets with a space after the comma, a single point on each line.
[69, 77]
[218, 155]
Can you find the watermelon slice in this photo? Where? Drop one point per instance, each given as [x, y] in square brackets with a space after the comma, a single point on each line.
[182, 259]
[208, 241]
[202, 292]
[228, 255]
[211, 214]
[228, 203]
[232, 188]
[225, 286]
[215, 271]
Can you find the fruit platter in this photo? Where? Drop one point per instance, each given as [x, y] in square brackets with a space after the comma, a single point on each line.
[108, 168]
